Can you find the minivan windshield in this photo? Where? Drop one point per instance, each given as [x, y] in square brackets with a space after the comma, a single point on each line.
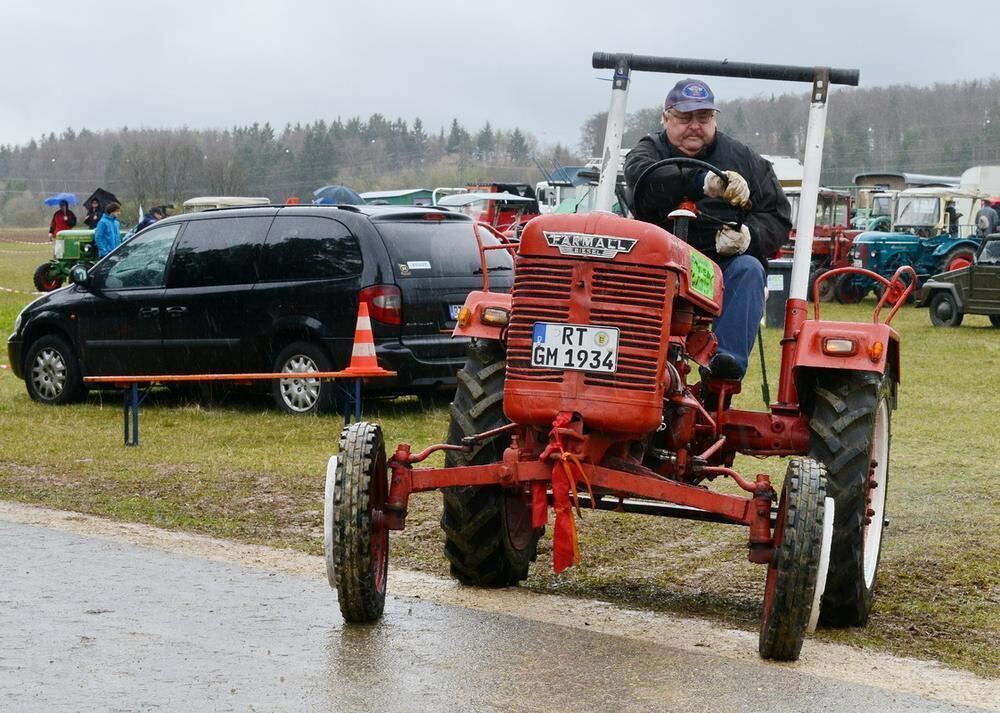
[440, 248]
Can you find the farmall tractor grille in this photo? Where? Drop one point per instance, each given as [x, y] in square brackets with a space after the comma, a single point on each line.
[629, 297]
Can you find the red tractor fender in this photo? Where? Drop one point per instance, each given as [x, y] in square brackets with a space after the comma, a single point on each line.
[470, 318]
[875, 347]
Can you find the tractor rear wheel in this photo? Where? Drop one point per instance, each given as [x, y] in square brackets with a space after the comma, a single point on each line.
[850, 434]
[995, 320]
[794, 567]
[957, 259]
[355, 536]
[944, 311]
[847, 291]
[489, 540]
[44, 280]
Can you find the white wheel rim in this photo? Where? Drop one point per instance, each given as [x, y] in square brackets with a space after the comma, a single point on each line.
[880, 474]
[824, 562]
[331, 477]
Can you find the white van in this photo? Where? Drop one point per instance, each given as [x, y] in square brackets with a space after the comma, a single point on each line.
[193, 205]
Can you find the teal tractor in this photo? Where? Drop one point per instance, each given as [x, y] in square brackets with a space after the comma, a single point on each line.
[932, 231]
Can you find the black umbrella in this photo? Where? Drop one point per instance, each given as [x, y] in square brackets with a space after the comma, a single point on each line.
[103, 198]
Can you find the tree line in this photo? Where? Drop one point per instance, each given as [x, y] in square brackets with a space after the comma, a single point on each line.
[158, 166]
[940, 129]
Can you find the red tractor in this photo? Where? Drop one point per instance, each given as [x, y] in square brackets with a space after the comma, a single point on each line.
[580, 388]
[832, 235]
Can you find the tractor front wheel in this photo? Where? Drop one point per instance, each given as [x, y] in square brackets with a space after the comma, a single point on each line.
[944, 311]
[850, 434]
[45, 280]
[489, 539]
[794, 567]
[355, 536]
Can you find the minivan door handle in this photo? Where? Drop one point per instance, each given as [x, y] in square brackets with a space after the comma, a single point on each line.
[176, 311]
[147, 312]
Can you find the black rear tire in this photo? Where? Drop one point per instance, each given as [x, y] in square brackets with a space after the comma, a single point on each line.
[52, 372]
[489, 540]
[792, 572]
[995, 320]
[360, 538]
[850, 434]
[944, 311]
[301, 395]
[847, 291]
[44, 280]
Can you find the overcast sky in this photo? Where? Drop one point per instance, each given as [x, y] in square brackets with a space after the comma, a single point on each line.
[220, 63]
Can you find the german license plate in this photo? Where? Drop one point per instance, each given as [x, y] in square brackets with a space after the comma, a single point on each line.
[574, 346]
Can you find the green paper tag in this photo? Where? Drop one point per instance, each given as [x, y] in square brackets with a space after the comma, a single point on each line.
[702, 275]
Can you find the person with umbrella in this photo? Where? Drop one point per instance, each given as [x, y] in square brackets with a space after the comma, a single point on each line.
[94, 214]
[62, 219]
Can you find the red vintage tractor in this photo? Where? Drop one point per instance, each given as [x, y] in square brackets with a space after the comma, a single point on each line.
[580, 388]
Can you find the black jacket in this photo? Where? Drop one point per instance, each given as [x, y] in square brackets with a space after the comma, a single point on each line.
[769, 218]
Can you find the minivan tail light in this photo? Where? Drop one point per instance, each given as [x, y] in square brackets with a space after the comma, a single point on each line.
[385, 303]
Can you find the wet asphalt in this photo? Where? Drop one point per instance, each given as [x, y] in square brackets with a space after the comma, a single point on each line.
[88, 624]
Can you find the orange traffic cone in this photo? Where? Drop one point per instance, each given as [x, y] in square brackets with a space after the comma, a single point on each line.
[363, 361]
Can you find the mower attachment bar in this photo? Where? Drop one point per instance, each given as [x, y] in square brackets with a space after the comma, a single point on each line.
[724, 68]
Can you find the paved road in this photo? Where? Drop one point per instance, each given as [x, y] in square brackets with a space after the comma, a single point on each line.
[91, 624]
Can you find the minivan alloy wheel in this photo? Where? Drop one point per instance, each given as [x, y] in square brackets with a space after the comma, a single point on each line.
[48, 373]
[302, 394]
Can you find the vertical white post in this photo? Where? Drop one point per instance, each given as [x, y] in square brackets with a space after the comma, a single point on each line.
[613, 138]
[812, 165]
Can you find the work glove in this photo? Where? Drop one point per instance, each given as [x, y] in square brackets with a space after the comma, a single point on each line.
[732, 242]
[737, 193]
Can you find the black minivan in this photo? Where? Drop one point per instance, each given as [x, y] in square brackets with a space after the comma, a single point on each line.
[266, 289]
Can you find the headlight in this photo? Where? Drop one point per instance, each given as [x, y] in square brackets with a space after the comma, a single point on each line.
[59, 249]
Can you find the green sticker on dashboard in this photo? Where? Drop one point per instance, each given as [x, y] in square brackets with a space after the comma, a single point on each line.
[702, 275]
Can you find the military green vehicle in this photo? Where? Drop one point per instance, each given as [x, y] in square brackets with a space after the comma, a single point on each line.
[973, 289]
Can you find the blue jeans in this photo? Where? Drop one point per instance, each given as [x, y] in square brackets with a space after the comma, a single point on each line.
[742, 307]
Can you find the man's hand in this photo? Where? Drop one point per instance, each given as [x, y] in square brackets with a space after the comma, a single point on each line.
[736, 193]
[732, 242]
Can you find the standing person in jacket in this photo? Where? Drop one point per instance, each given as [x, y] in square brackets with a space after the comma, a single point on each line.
[94, 213]
[753, 194]
[62, 219]
[108, 234]
[986, 220]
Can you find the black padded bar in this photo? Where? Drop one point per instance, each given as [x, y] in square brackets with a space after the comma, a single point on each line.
[746, 70]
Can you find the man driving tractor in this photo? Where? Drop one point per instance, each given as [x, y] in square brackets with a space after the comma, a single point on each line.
[740, 223]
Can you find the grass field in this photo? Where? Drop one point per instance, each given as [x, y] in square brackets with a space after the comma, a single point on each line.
[241, 470]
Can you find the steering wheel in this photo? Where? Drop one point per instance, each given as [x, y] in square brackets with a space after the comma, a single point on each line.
[640, 183]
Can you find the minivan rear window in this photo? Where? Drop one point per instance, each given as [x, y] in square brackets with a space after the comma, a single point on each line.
[440, 248]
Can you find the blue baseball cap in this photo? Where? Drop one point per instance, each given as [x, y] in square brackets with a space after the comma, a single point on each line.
[690, 95]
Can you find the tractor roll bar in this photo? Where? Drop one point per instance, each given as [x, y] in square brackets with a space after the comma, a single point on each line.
[723, 68]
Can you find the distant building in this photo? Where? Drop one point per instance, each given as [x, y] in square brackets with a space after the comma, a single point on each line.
[788, 169]
[898, 181]
[406, 196]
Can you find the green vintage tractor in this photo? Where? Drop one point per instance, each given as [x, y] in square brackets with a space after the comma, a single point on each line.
[71, 247]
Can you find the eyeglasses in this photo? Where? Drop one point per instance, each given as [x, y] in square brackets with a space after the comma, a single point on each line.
[701, 117]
